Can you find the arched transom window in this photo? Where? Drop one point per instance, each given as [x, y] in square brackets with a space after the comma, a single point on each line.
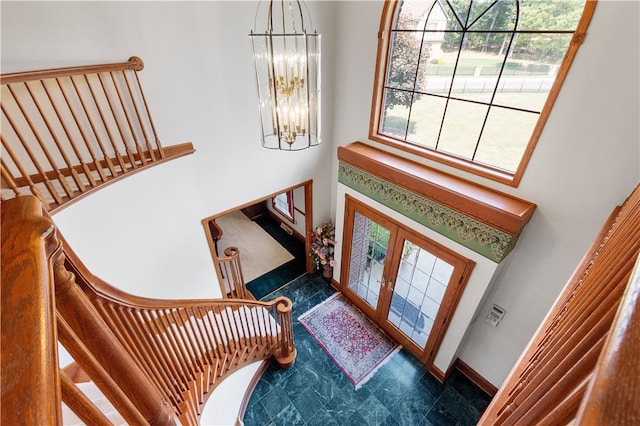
[470, 83]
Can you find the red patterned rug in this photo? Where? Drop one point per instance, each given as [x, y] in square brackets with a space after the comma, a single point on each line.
[353, 341]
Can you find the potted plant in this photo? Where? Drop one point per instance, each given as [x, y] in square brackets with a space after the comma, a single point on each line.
[322, 247]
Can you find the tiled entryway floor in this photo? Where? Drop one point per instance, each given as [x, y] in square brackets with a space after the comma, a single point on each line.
[314, 391]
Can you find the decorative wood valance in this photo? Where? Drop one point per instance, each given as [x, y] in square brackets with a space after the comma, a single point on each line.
[480, 218]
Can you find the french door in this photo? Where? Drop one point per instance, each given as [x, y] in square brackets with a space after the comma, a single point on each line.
[408, 284]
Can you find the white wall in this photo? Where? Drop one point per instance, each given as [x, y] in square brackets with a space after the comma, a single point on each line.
[586, 161]
[143, 234]
[198, 82]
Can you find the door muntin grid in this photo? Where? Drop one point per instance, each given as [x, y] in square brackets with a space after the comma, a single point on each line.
[421, 283]
[369, 243]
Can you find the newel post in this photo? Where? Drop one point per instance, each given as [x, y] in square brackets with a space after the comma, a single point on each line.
[286, 354]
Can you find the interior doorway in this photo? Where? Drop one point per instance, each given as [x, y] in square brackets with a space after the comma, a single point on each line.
[285, 218]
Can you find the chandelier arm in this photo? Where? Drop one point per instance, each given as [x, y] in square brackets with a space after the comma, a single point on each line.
[270, 18]
[308, 14]
[304, 30]
[282, 13]
[255, 18]
[274, 88]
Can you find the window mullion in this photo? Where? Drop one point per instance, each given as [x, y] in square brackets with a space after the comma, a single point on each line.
[495, 89]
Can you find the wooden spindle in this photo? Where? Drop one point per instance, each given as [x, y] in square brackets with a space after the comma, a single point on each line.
[38, 138]
[132, 131]
[63, 152]
[96, 135]
[104, 122]
[52, 190]
[146, 106]
[98, 374]
[96, 164]
[140, 120]
[86, 411]
[118, 124]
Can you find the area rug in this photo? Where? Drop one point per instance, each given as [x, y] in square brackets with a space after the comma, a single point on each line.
[259, 252]
[355, 343]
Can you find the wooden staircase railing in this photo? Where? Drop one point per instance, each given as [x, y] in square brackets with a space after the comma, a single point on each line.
[228, 266]
[66, 132]
[583, 365]
[156, 361]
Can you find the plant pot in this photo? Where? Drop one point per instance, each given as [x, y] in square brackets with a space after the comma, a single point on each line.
[327, 271]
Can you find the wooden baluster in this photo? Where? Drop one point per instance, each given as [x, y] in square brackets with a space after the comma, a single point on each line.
[114, 116]
[105, 124]
[77, 401]
[43, 175]
[85, 321]
[141, 121]
[215, 342]
[564, 412]
[98, 375]
[159, 346]
[177, 348]
[96, 135]
[612, 395]
[11, 180]
[187, 341]
[58, 174]
[191, 336]
[123, 107]
[8, 178]
[136, 348]
[150, 352]
[63, 152]
[87, 145]
[153, 128]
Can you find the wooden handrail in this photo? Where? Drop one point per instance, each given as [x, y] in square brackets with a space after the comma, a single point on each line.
[134, 63]
[582, 364]
[68, 132]
[155, 360]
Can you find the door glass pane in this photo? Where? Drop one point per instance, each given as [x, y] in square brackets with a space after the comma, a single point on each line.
[368, 253]
[420, 285]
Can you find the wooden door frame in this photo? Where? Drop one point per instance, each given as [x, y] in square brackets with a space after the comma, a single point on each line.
[346, 254]
[308, 225]
[400, 232]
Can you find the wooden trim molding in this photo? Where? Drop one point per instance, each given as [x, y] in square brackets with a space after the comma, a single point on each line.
[480, 218]
[471, 374]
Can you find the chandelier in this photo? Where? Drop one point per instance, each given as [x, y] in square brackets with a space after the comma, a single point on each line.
[287, 66]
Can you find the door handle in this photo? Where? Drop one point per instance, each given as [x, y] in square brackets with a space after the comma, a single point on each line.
[390, 285]
[382, 281]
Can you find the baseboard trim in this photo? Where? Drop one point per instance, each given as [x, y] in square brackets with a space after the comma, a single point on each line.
[486, 386]
[252, 385]
[281, 221]
[440, 375]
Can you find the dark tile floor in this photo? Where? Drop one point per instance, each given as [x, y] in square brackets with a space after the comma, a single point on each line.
[315, 392]
[266, 283]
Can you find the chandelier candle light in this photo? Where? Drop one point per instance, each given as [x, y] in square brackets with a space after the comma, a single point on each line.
[287, 65]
